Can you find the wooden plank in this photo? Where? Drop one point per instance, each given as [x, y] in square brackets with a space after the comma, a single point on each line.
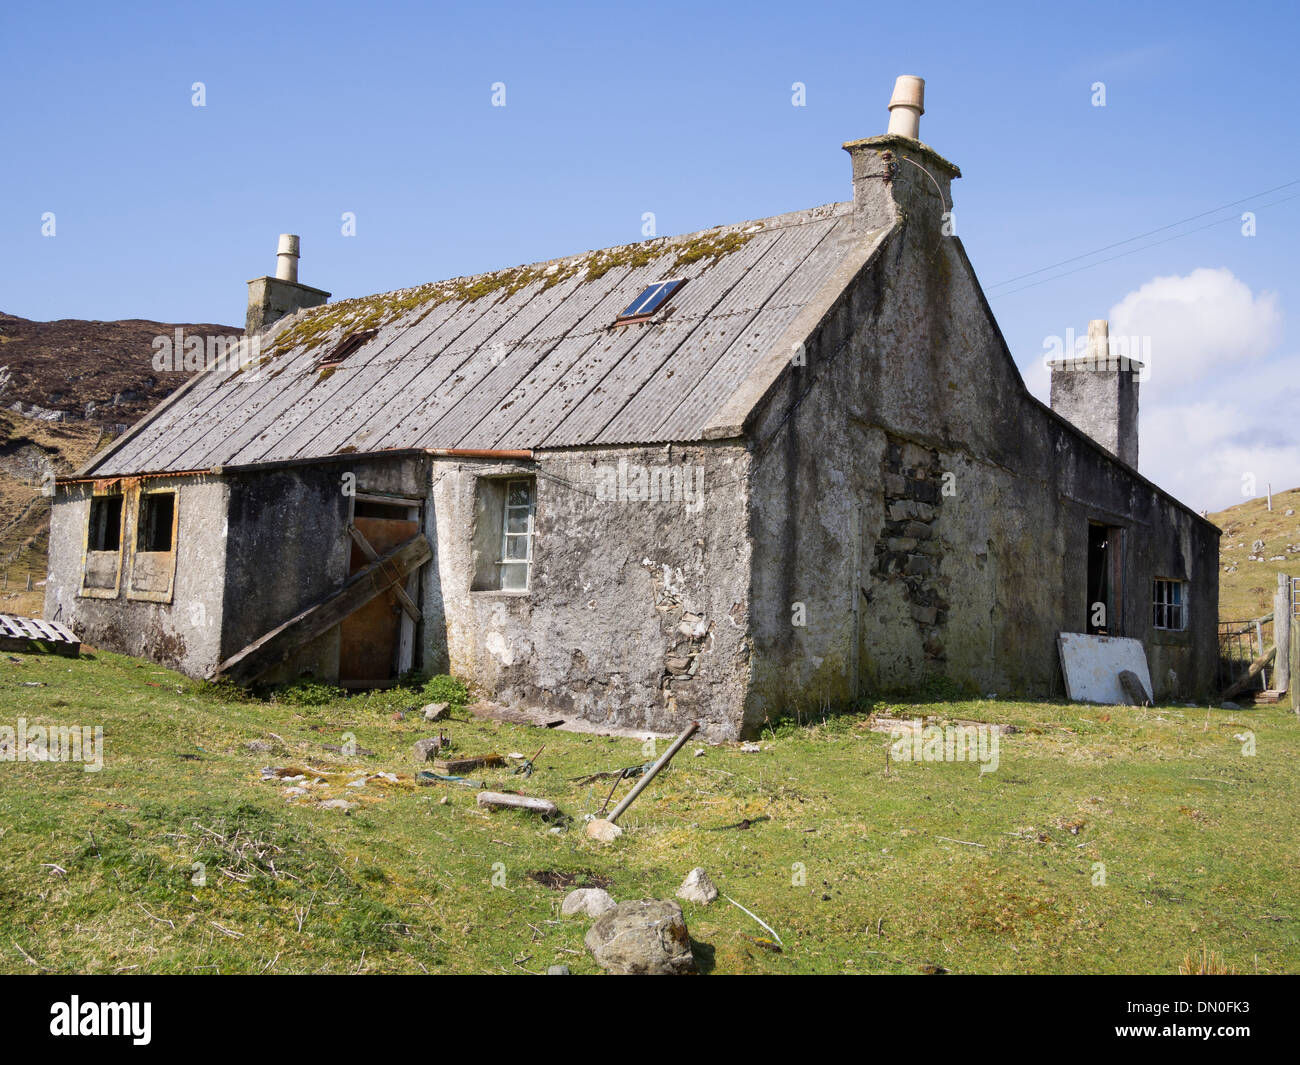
[456, 766]
[406, 628]
[277, 645]
[64, 631]
[388, 501]
[408, 604]
[1251, 673]
[498, 799]
[46, 630]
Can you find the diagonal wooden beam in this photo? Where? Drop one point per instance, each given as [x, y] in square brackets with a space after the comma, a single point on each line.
[276, 646]
[1250, 674]
[407, 603]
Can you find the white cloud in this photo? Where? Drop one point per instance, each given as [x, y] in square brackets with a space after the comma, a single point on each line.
[1195, 325]
[1210, 452]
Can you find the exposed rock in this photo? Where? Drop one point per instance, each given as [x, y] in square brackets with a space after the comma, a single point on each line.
[436, 711]
[590, 901]
[338, 804]
[697, 887]
[605, 831]
[648, 937]
[558, 970]
[426, 749]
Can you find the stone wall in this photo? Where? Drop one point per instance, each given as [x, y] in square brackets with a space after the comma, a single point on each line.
[917, 514]
[636, 614]
[184, 633]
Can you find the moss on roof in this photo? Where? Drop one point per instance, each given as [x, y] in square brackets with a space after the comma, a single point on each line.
[371, 312]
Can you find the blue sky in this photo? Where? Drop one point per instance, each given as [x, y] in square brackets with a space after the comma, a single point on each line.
[163, 210]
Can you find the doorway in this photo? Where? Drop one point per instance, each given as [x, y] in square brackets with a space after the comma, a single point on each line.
[369, 638]
[1105, 569]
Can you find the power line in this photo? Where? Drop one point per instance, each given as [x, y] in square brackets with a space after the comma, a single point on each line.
[1131, 251]
[1149, 233]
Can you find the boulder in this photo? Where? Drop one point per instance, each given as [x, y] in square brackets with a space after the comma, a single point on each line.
[425, 750]
[605, 831]
[697, 887]
[589, 901]
[436, 711]
[646, 938]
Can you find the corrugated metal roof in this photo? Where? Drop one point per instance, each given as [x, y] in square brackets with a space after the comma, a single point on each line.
[522, 358]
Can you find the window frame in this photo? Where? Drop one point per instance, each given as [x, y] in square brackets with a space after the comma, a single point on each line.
[167, 558]
[91, 591]
[1169, 594]
[647, 294]
[97, 504]
[143, 514]
[528, 535]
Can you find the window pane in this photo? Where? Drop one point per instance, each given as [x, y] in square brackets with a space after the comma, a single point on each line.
[641, 301]
[514, 576]
[517, 521]
[517, 548]
[518, 494]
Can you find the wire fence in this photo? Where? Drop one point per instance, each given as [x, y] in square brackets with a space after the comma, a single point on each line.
[1241, 643]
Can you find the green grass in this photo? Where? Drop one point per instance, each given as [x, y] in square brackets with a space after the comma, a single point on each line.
[97, 870]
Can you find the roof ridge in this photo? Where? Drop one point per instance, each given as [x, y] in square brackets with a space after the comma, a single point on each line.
[770, 224]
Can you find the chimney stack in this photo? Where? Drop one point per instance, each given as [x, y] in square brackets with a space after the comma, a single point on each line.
[271, 298]
[895, 176]
[1098, 393]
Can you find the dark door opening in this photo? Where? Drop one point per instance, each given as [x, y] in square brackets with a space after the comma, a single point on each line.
[1103, 579]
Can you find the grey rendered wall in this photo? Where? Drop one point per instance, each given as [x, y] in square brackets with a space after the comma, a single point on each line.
[909, 379]
[183, 634]
[637, 612]
[288, 547]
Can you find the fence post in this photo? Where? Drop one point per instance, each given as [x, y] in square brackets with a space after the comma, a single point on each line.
[1282, 635]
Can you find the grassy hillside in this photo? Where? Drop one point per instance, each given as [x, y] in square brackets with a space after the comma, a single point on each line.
[1246, 584]
[30, 451]
[858, 867]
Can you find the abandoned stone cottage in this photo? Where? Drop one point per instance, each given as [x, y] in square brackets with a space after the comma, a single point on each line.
[715, 477]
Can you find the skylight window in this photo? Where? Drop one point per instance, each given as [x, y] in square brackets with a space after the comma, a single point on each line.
[650, 300]
[346, 347]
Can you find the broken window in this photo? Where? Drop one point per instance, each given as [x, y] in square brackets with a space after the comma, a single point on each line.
[517, 535]
[1167, 609]
[157, 520]
[105, 533]
[101, 572]
[344, 348]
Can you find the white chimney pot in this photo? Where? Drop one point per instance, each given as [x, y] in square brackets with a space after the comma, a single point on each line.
[286, 258]
[906, 107]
